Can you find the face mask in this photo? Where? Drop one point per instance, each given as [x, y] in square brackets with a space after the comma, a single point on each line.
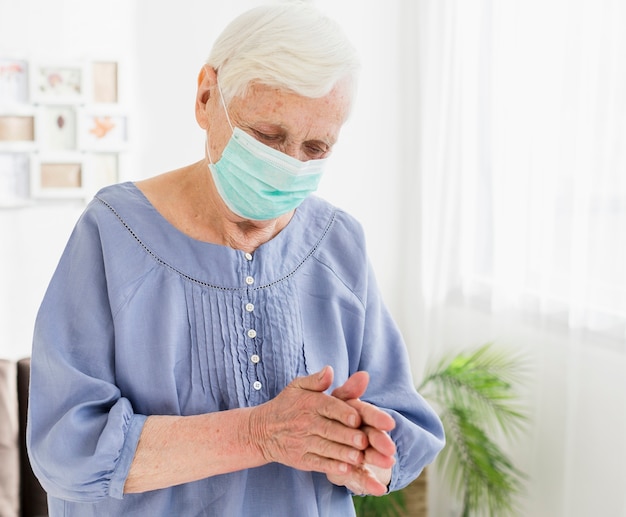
[258, 182]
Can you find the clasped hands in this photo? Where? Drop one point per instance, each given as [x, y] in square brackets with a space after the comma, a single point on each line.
[337, 434]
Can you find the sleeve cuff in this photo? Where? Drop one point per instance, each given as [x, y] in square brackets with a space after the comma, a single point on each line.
[118, 479]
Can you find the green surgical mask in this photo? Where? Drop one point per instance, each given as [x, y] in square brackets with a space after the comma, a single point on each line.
[258, 182]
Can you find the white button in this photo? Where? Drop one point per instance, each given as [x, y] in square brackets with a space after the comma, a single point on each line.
[249, 280]
[252, 333]
[249, 307]
[255, 358]
[248, 256]
[257, 385]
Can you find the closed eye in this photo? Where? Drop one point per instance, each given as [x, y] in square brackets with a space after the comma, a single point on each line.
[316, 151]
[265, 137]
[313, 149]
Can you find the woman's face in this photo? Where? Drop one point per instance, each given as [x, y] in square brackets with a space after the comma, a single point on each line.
[301, 127]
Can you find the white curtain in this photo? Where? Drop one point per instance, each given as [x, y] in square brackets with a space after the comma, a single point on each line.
[521, 118]
[514, 190]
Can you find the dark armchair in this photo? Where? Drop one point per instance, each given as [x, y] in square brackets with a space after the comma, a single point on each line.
[21, 494]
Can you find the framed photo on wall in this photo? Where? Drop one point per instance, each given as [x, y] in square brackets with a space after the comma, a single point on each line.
[56, 128]
[101, 169]
[102, 130]
[18, 129]
[14, 87]
[55, 83]
[58, 175]
[104, 82]
[14, 179]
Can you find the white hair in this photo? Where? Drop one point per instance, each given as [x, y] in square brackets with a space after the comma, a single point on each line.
[290, 46]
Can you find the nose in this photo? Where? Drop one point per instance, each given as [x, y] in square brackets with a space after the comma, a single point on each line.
[296, 151]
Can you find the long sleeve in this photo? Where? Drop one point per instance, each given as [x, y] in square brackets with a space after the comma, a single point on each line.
[373, 343]
[82, 433]
[419, 433]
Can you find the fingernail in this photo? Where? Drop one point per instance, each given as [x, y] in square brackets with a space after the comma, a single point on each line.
[352, 420]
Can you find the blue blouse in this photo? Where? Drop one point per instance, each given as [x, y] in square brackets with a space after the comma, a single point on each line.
[140, 319]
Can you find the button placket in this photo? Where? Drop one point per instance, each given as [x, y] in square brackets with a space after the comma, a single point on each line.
[251, 332]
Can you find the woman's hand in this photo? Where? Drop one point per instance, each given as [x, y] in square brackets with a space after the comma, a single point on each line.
[337, 434]
[375, 474]
[307, 429]
[302, 427]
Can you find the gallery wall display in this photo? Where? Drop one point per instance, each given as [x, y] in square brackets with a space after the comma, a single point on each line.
[62, 129]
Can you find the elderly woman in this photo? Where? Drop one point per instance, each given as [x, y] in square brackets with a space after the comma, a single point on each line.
[213, 341]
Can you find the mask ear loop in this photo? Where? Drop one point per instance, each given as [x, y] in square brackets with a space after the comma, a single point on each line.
[219, 89]
[208, 153]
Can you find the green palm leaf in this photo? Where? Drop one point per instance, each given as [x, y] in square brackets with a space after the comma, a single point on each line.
[476, 468]
[391, 505]
[475, 393]
[482, 381]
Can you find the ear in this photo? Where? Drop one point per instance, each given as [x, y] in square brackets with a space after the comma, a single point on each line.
[207, 81]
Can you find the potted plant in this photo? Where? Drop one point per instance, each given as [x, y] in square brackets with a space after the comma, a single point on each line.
[474, 394]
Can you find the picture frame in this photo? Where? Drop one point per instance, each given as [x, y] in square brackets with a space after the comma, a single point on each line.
[58, 83]
[102, 129]
[57, 175]
[104, 82]
[57, 128]
[14, 81]
[101, 170]
[18, 129]
[14, 179]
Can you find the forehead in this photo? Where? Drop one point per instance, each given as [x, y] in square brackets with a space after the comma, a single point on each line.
[269, 105]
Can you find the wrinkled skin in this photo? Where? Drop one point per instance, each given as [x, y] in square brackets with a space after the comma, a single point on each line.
[337, 434]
